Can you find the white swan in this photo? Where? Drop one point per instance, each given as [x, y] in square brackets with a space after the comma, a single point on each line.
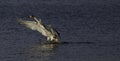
[46, 30]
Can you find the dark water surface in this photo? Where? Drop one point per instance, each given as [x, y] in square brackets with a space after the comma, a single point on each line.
[90, 30]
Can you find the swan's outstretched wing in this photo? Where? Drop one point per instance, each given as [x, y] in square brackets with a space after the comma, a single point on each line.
[30, 24]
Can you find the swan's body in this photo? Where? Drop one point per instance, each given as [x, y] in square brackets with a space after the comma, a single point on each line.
[46, 30]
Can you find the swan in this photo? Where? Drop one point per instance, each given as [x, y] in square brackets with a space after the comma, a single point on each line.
[46, 30]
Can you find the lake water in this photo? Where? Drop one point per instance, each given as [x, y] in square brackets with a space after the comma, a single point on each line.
[90, 30]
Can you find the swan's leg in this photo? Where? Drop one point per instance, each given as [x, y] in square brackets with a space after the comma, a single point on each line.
[48, 38]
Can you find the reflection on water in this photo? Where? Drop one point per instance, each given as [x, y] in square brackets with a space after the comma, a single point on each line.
[43, 52]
